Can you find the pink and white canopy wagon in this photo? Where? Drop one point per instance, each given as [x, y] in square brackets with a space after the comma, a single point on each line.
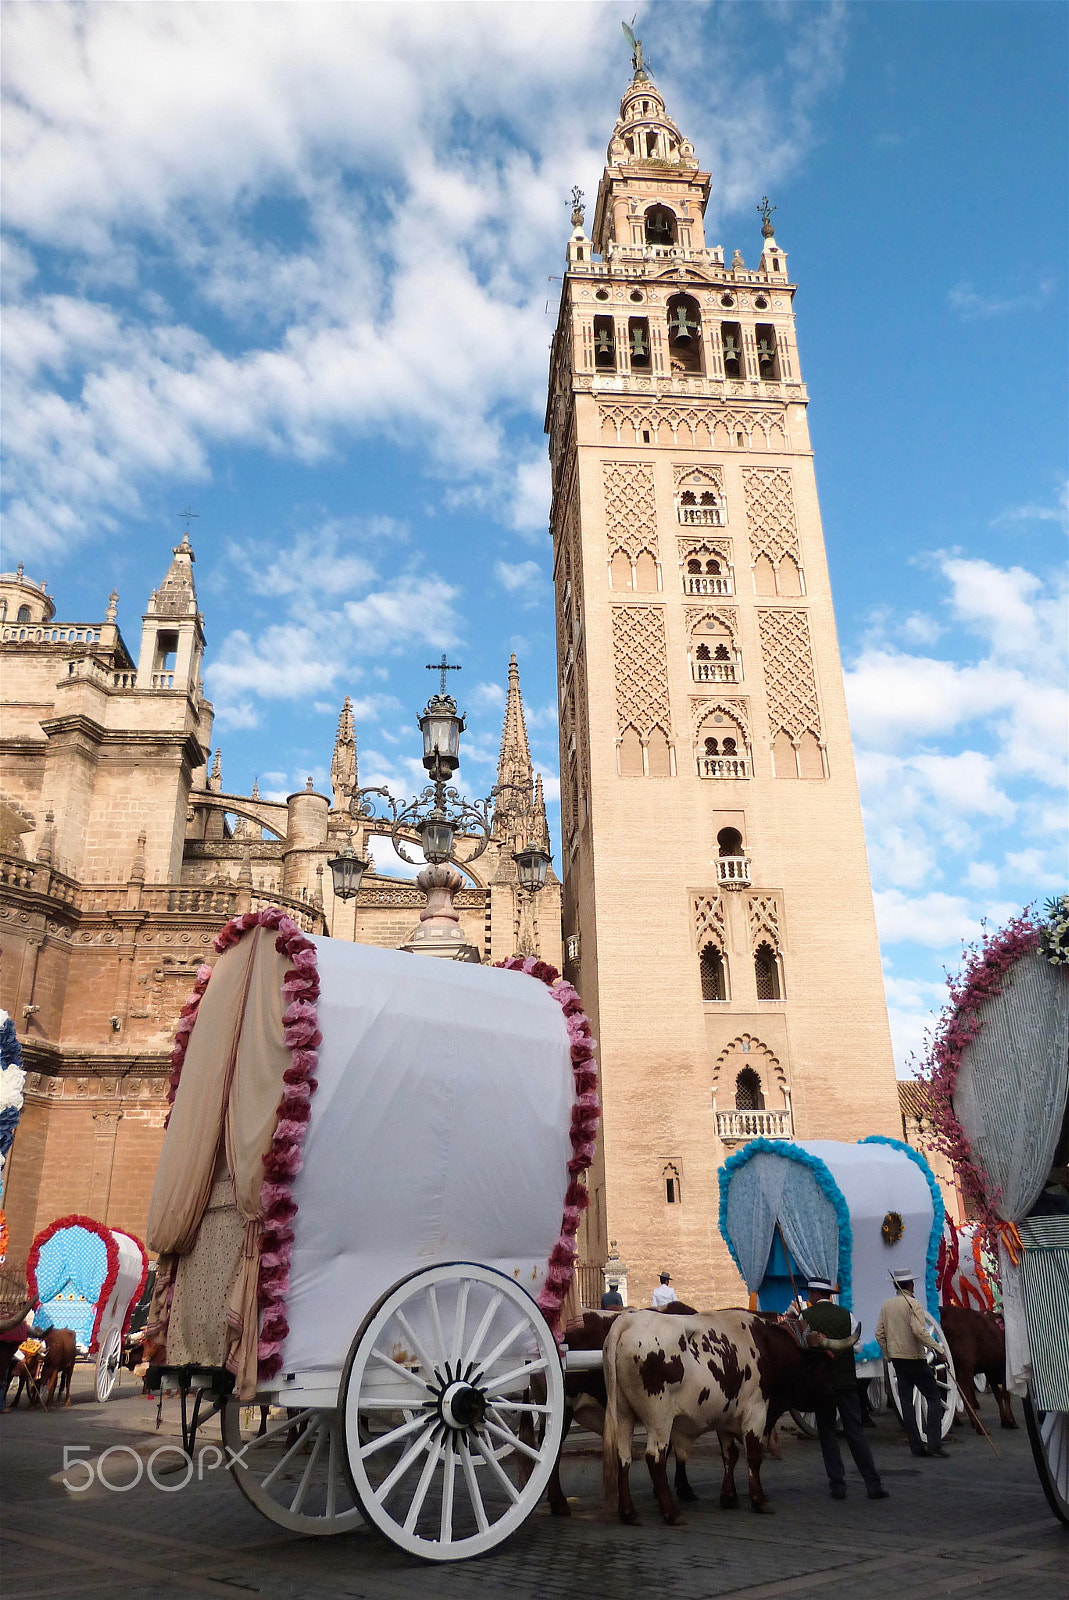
[366, 1209]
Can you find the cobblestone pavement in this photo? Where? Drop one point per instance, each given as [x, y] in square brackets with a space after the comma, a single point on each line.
[972, 1525]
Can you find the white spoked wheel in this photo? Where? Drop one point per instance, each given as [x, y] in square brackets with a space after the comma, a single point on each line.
[435, 1393]
[109, 1358]
[1048, 1434]
[945, 1380]
[294, 1471]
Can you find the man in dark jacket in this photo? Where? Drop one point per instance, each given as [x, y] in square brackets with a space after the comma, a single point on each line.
[824, 1317]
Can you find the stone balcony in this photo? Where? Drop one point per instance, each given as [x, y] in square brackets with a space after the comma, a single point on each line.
[694, 584]
[723, 767]
[714, 671]
[733, 872]
[733, 1126]
[701, 517]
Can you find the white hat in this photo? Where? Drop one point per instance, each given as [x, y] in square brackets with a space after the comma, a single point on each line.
[901, 1276]
[822, 1285]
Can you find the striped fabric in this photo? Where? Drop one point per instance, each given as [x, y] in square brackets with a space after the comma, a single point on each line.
[1045, 1274]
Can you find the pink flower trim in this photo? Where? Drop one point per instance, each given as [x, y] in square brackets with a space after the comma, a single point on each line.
[986, 967]
[282, 1162]
[586, 1113]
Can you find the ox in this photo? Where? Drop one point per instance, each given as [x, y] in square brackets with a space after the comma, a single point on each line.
[584, 1396]
[978, 1344]
[58, 1365]
[727, 1371]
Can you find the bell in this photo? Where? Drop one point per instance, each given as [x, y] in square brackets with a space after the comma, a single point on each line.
[682, 326]
[658, 231]
[639, 347]
[765, 350]
[731, 349]
[603, 342]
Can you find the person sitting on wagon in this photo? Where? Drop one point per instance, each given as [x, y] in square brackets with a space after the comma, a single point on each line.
[903, 1336]
[823, 1316]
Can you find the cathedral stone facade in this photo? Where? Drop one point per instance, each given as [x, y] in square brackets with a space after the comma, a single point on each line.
[718, 915]
[122, 854]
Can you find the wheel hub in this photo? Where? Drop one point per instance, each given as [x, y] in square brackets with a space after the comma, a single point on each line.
[461, 1405]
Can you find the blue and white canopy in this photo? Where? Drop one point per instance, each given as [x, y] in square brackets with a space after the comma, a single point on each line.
[826, 1203]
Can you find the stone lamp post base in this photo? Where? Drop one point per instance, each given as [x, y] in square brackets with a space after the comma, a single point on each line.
[439, 932]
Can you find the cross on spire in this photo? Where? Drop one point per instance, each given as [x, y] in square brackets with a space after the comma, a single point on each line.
[187, 516]
[443, 667]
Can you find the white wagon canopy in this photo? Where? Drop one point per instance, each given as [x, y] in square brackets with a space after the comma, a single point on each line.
[850, 1213]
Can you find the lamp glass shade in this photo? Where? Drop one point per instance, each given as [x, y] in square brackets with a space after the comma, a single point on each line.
[441, 727]
[347, 871]
[532, 863]
[436, 837]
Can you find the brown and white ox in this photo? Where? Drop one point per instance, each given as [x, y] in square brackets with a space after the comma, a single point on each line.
[57, 1365]
[978, 1344]
[730, 1372]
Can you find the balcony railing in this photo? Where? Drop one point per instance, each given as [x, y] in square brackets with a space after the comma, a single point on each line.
[723, 767]
[695, 584]
[734, 1125]
[44, 633]
[701, 517]
[733, 870]
[715, 671]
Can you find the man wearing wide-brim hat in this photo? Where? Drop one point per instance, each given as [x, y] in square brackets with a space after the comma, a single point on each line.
[836, 1330]
[902, 1335]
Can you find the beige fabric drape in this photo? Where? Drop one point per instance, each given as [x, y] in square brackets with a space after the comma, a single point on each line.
[226, 1106]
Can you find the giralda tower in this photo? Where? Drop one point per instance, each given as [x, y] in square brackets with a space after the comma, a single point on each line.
[718, 913]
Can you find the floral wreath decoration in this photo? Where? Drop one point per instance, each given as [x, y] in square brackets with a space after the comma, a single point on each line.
[892, 1228]
[282, 1163]
[987, 966]
[586, 1114]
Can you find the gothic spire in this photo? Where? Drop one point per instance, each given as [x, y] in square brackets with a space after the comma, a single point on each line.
[514, 774]
[539, 820]
[177, 594]
[343, 777]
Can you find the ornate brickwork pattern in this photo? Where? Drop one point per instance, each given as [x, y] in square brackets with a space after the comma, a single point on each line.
[763, 914]
[730, 710]
[726, 615]
[700, 477]
[709, 923]
[640, 655]
[770, 513]
[790, 682]
[630, 508]
[625, 423]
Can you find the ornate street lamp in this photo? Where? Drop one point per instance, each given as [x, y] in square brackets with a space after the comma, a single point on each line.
[347, 871]
[532, 863]
[435, 817]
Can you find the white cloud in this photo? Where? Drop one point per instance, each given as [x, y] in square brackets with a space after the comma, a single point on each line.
[972, 303]
[524, 579]
[487, 696]
[291, 216]
[937, 920]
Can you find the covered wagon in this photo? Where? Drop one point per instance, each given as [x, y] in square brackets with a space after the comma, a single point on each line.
[366, 1209]
[848, 1213]
[999, 1086]
[88, 1277]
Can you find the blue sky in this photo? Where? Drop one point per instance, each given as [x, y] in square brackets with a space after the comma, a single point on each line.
[292, 265]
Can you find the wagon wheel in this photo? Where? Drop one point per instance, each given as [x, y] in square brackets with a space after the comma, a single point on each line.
[944, 1377]
[1048, 1434]
[434, 1393]
[109, 1359]
[293, 1473]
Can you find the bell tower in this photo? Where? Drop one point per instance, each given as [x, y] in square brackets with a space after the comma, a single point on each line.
[718, 913]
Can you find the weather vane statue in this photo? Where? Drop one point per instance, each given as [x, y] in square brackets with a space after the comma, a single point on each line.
[637, 60]
[766, 209]
[577, 205]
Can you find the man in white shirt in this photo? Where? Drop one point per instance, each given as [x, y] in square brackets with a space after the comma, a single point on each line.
[902, 1335]
[664, 1294]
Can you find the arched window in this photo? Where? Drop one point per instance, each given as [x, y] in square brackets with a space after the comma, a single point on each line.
[711, 747]
[714, 978]
[729, 842]
[766, 971]
[684, 334]
[694, 567]
[660, 226]
[749, 1095]
[722, 653]
[23, 614]
[673, 1192]
[730, 747]
[604, 343]
[712, 567]
[702, 653]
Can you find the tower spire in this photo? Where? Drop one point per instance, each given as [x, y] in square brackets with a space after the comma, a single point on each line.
[343, 762]
[514, 773]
